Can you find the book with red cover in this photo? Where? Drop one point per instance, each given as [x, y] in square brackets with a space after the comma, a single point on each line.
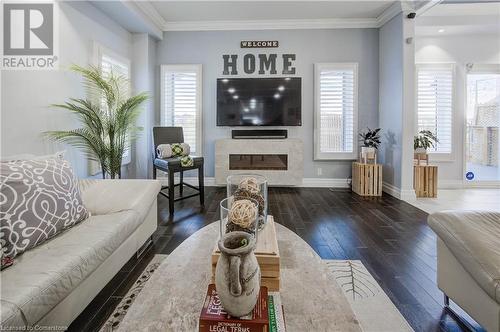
[214, 318]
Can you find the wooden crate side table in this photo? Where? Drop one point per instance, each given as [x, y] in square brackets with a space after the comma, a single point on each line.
[367, 179]
[425, 179]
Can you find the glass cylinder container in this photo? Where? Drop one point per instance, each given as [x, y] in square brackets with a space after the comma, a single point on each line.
[244, 186]
[239, 215]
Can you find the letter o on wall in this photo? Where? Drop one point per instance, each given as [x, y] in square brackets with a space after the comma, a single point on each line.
[249, 63]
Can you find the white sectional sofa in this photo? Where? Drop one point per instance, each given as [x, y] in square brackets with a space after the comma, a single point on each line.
[52, 284]
[468, 270]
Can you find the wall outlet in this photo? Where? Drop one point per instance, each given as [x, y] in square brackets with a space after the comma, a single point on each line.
[320, 171]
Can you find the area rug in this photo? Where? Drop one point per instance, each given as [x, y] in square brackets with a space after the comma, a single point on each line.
[128, 300]
[372, 307]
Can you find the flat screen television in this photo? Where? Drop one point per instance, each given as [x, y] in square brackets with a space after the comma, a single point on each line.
[259, 101]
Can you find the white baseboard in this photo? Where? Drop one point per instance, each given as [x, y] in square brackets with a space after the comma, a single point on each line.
[405, 194]
[408, 195]
[324, 183]
[391, 190]
[306, 183]
[209, 181]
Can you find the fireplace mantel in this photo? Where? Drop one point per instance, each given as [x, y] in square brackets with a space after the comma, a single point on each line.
[281, 161]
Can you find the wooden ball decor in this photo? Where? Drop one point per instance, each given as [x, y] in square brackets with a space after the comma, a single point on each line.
[240, 194]
[251, 184]
[243, 214]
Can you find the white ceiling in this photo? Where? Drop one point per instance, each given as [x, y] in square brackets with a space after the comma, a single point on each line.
[464, 9]
[180, 11]
[460, 19]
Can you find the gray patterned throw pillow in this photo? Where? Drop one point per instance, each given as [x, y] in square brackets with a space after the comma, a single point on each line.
[38, 200]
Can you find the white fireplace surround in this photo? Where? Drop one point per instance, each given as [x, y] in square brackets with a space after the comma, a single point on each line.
[291, 147]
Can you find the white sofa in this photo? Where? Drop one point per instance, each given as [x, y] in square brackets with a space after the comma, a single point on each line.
[468, 255]
[52, 284]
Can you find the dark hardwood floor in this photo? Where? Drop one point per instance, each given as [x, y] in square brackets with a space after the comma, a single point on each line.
[389, 236]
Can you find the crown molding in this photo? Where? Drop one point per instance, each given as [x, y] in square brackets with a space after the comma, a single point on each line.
[427, 6]
[389, 13]
[270, 24]
[148, 15]
[154, 17]
[151, 13]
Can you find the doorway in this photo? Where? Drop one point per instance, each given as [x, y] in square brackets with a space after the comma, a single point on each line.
[482, 125]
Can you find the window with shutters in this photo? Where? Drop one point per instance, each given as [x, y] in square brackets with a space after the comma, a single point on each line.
[435, 85]
[335, 108]
[110, 62]
[181, 98]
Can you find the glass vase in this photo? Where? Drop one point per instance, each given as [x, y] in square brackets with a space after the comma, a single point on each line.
[239, 215]
[244, 186]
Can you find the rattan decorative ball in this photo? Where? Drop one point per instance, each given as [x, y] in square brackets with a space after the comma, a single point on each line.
[230, 227]
[243, 213]
[240, 194]
[251, 184]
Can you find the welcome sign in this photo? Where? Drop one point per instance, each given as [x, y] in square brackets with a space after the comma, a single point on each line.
[262, 64]
[259, 43]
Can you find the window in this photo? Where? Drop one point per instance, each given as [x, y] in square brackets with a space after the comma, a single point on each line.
[119, 67]
[482, 110]
[181, 102]
[435, 103]
[336, 107]
[110, 62]
[107, 61]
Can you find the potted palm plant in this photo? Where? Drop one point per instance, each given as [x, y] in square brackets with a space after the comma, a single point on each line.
[424, 140]
[108, 117]
[371, 141]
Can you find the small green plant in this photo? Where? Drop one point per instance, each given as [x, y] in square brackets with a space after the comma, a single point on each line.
[370, 138]
[425, 139]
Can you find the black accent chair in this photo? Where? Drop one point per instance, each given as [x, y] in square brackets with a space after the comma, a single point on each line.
[170, 135]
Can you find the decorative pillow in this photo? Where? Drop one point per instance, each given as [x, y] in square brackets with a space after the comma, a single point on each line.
[38, 200]
[164, 151]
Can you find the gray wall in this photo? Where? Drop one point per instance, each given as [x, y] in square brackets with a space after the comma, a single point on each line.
[144, 79]
[397, 104]
[310, 46]
[391, 99]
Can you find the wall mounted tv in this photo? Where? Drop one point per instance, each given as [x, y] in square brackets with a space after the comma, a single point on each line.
[259, 101]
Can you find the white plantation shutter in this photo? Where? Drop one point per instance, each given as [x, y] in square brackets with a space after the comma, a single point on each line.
[335, 111]
[109, 61]
[119, 67]
[181, 102]
[435, 103]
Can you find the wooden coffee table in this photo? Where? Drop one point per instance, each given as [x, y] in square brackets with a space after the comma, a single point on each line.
[173, 297]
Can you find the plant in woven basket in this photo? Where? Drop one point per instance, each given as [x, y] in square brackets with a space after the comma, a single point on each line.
[371, 141]
[370, 138]
[108, 115]
[424, 140]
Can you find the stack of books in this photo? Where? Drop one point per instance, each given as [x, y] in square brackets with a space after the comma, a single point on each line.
[267, 316]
